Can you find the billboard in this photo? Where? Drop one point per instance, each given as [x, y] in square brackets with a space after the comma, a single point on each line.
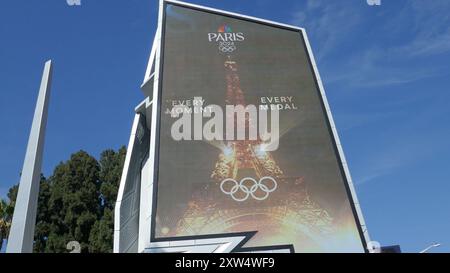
[291, 189]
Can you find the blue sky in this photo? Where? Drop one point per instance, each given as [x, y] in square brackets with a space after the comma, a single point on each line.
[386, 71]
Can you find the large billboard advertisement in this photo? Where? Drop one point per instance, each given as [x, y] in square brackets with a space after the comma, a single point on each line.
[290, 188]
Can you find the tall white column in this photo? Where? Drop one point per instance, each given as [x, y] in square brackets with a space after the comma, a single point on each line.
[21, 235]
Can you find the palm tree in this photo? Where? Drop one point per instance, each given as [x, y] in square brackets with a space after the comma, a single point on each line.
[5, 220]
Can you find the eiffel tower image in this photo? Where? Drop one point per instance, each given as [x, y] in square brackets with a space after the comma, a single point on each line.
[243, 155]
[281, 207]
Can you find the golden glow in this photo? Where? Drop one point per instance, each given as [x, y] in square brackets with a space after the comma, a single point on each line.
[289, 217]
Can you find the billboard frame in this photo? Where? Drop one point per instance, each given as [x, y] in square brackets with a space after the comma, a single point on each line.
[151, 187]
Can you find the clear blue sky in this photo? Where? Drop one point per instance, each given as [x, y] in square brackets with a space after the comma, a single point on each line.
[386, 71]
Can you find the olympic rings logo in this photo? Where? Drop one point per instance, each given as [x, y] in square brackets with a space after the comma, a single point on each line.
[226, 47]
[266, 185]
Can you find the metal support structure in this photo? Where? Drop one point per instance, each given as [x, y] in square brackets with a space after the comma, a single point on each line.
[24, 219]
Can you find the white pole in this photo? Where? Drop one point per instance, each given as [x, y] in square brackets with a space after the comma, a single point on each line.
[24, 218]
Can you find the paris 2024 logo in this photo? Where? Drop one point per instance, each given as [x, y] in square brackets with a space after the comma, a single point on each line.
[226, 38]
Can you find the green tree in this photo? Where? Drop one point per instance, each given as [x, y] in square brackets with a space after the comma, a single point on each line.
[12, 195]
[102, 234]
[77, 203]
[43, 222]
[6, 213]
[5, 221]
[74, 202]
[111, 165]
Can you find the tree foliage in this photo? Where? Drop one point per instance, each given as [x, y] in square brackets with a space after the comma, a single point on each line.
[76, 203]
[6, 212]
[4, 221]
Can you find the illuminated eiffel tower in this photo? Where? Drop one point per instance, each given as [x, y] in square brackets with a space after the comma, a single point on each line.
[289, 212]
[243, 157]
